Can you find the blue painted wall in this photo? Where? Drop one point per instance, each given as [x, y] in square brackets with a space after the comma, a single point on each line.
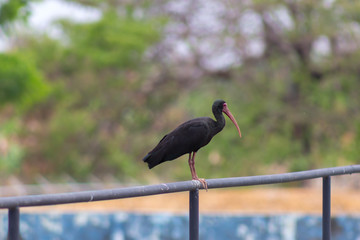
[131, 226]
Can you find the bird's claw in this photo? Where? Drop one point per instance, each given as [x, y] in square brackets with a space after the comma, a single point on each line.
[203, 182]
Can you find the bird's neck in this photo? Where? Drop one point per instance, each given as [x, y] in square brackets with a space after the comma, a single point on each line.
[220, 121]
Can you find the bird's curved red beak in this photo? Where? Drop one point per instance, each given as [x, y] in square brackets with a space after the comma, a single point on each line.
[228, 113]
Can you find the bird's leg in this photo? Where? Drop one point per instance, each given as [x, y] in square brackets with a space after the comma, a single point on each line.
[192, 167]
[193, 171]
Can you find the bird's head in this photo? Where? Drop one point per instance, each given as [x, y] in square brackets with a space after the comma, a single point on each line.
[221, 106]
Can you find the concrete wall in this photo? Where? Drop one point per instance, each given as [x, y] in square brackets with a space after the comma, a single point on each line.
[131, 226]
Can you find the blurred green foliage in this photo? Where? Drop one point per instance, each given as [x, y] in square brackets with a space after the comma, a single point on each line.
[12, 11]
[22, 86]
[11, 152]
[95, 81]
[115, 93]
[20, 82]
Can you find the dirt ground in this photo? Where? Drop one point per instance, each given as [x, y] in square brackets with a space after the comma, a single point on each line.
[259, 200]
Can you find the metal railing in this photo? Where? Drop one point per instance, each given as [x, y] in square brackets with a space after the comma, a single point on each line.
[13, 204]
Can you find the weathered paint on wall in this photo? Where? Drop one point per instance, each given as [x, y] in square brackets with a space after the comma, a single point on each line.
[134, 226]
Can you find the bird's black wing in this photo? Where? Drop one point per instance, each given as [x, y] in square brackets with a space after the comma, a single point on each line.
[186, 138]
[192, 135]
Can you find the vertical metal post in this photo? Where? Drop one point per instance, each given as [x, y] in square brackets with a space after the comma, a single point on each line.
[326, 216]
[194, 215]
[13, 223]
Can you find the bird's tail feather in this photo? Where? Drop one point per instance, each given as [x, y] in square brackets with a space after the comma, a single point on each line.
[152, 160]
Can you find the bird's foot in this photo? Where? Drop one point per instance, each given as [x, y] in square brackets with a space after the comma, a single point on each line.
[203, 182]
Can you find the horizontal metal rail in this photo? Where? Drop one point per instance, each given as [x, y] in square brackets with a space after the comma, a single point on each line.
[129, 192]
[14, 203]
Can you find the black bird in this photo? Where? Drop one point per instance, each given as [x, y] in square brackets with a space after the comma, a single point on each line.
[189, 137]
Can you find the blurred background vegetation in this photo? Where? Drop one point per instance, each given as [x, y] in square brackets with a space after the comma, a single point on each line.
[94, 98]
